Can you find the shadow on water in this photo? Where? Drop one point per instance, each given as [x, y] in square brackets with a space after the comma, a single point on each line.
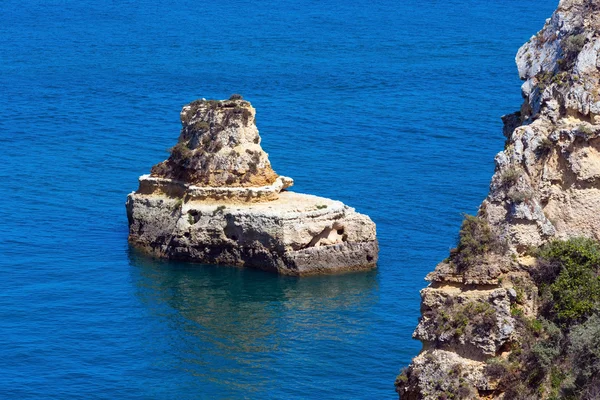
[249, 324]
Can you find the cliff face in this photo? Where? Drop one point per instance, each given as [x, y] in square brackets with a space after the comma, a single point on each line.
[546, 181]
[217, 200]
[546, 187]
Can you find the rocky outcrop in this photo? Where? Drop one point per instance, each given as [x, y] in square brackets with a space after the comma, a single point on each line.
[217, 200]
[546, 186]
[219, 146]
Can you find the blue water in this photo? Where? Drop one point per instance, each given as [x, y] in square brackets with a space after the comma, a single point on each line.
[390, 106]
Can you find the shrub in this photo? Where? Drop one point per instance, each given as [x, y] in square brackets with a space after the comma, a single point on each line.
[572, 45]
[181, 153]
[544, 354]
[510, 176]
[563, 64]
[576, 294]
[476, 238]
[530, 363]
[408, 377]
[516, 311]
[536, 326]
[201, 126]
[496, 368]
[544, 79]
[561, 78]
[402, 378]
[585, 348]
[517, 390]
[569, 275]
[236, 96]
[592, 389]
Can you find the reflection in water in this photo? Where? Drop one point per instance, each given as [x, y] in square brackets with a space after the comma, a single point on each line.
[244, 328]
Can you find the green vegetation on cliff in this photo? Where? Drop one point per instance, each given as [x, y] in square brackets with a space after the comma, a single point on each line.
[558, 354]
[476, 239]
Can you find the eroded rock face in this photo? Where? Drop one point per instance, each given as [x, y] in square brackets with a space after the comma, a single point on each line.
[546, 181]
[219, 146]
[474, 324]
[296, 234]
[546, 186]
[217, 200]
[443, 372]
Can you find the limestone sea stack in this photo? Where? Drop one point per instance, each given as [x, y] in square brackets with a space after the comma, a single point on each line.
[495, 322]
[216, 200]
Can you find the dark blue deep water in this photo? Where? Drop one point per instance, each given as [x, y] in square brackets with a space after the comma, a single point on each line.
[390, 106]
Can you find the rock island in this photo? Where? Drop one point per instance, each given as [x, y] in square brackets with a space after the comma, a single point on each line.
[216, 200]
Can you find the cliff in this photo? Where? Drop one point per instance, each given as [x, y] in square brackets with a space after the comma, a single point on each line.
[217, 200]
[513, 311]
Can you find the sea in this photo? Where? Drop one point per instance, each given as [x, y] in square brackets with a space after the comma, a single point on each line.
[391, 106]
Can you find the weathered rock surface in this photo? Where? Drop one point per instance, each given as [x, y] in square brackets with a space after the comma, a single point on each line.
[217, 200]
[219, 145]
[438, 371]
[474, 324]
[546, 186]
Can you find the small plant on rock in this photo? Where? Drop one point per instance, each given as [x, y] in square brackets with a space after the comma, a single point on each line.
[402, 378]
[218, 210]
[561, 79]
[585, 129]
[572, 45]
[544, 79]
[476, 238]
[201, 126]
[181, 153]
[510, 176]
[178, 203]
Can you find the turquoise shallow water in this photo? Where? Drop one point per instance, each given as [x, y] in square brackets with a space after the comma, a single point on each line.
[390, 106]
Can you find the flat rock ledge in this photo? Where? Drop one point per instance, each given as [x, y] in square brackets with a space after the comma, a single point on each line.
[172, 187]
[223, 204]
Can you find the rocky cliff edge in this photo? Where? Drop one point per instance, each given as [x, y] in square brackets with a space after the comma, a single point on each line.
[483, 303]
